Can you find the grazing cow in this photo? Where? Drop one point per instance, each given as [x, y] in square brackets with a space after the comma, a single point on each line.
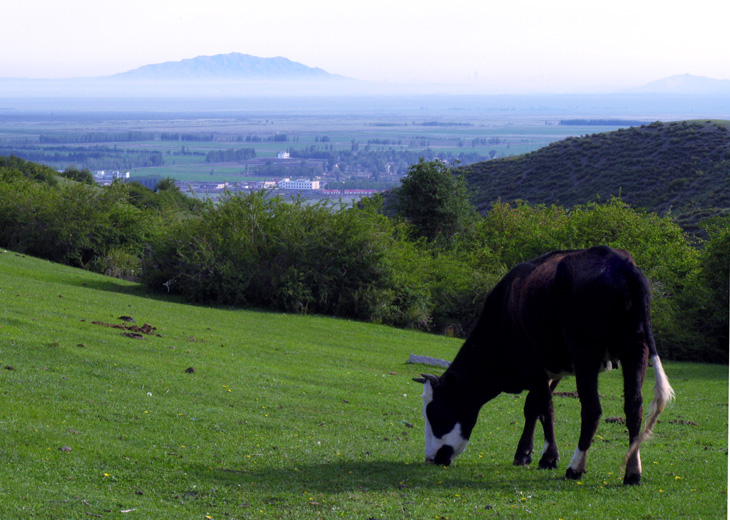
[566, 312]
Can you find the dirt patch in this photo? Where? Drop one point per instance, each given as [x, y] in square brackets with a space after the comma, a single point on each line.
[684, 422]
[132, 335]
[144, 329]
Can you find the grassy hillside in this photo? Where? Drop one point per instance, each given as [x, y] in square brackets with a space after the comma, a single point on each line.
[683, 167]
[289, 416]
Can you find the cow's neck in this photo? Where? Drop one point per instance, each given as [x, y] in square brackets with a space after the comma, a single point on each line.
[479, 379]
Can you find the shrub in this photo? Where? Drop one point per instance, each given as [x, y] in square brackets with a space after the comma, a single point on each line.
[252, 249]
[166, 198]
[73, 224]
[119, 262]
[703, 304]
[83, 176]
[459, 287]
[354, 262]
[29, 170]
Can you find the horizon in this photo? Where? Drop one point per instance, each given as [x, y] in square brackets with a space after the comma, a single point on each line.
[523, 47]
[155, 81]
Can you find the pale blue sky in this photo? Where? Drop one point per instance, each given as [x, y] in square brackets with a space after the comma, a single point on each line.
[504, 45]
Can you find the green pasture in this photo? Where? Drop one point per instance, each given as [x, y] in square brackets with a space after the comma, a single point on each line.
[224, 413]
[518, 136]
[198, 173]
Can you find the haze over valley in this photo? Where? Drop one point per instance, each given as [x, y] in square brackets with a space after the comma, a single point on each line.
[237, 76]
[236, 121]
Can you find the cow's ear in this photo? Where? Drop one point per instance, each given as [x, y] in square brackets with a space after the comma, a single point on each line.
[427, 377]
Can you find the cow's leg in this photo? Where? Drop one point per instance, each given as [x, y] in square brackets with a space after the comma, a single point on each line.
[523, 455]
[633, 379]
[586, 378]
[550, 456]
[538, 405]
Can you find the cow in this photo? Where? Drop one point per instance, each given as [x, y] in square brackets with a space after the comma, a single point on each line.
[573, 312]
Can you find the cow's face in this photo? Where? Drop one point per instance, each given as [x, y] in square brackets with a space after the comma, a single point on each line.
[448, 427]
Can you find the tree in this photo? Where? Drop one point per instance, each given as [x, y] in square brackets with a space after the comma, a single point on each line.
[168, 183]
[84, 176]
[434, 201]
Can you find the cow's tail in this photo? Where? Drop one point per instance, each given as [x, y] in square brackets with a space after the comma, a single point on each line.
[663, 394]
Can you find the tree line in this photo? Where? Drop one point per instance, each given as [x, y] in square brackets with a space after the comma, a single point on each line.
[98, 157]
[237, 154]
[422, 258]
[96, 137]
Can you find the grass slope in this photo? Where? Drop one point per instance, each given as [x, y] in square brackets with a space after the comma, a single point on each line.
[683, 167]
[292, 417]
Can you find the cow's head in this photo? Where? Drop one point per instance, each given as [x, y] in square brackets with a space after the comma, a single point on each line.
[449, 419]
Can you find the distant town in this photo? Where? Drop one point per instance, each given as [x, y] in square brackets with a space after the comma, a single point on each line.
[310, 188]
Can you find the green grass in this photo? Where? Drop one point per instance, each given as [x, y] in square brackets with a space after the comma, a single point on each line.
[293, 417]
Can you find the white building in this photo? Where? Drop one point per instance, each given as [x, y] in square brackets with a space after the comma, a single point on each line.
[299, 184]
[105, 178]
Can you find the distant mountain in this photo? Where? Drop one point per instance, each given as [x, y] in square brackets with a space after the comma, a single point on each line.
[681, 167]
[231, 75]
[234, 66]
[686, 84]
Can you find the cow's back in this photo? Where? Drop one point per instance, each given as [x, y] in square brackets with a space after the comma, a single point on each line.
[603, 298]
[549, 310]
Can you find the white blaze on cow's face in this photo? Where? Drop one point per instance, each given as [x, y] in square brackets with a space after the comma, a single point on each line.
[444, 449]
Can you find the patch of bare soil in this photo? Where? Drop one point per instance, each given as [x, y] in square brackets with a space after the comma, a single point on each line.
[132, 331]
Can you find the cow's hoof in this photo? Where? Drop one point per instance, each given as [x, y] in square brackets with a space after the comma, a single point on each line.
[571, 474]
[632, 480]
[522, 460]
[548, 463]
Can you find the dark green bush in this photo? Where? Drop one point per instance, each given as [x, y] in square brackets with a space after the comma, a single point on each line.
[252, 249]
[29, 170]
[322, 258]
[83, 176]
[73, 224]
[703, 304]
[166, 198]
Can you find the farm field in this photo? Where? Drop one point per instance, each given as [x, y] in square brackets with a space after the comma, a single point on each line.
[224, 413]
[170, 144]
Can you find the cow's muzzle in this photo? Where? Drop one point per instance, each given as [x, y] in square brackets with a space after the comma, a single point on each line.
[443, 457]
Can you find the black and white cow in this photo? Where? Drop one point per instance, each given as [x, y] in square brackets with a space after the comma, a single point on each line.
[566, 312]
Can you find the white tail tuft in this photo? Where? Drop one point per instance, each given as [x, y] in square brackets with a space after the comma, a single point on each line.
[663, 394]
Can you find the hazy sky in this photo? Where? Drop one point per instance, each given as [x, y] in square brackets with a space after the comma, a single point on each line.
[498, 45]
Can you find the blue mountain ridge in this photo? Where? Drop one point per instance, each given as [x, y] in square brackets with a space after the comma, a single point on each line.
[227, 67]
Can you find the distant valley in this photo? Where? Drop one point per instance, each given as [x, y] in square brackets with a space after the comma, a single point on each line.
[174, 119]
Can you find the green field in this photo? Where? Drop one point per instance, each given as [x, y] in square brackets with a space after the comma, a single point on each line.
[290, 416]
[450, 134]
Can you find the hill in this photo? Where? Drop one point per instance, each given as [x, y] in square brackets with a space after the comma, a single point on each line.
[233, 66]
[684, 84]
[682, 167]
[222, 413]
